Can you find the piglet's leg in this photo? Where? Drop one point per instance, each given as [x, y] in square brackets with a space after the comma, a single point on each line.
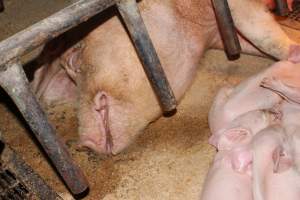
[254, 21]
[216, 111]
[289, 92]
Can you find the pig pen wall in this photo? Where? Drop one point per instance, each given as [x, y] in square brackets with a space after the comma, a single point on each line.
[169, 161]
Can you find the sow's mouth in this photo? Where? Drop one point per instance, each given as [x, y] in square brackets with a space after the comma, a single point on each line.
[103, 146]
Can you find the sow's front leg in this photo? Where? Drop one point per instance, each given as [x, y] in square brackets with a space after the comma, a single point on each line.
[255, 22]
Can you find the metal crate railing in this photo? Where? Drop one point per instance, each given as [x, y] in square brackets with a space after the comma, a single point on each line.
[15, 83]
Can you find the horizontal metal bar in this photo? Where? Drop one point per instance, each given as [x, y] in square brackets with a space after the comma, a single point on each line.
[45, 30]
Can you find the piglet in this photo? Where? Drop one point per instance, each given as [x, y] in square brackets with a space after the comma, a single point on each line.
[290, 121]
[256, 93]
[239, 132]
[223, 182]
[275, 176]
[285, 82]
[231, 170]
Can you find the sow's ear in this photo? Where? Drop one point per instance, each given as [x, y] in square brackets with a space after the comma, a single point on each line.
[232, 137]
[71, 61]
[294, 54]
[281, 160]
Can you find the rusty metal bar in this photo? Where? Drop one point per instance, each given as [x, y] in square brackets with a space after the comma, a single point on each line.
[281, 8]
[227, 30]
[15, 83]
[147, 54]
[45, 30]
[37, 187]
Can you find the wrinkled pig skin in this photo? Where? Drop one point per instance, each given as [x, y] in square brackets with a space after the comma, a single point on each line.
[116, 101]
[275, 176]
[223, 182]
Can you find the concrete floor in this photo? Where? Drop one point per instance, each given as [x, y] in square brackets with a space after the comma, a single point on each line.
[169, 161]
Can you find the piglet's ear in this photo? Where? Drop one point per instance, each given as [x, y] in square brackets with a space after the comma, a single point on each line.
[294, 54]
[232, 137]
[281, 160]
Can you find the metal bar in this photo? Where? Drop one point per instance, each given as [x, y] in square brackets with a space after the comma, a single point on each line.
[1, 6]
[45, 30]
[147, 54]
[281, 8]
[227, 30]
[15, 83]
[32, 181]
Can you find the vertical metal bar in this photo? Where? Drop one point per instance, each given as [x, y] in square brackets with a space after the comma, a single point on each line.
[1, 6]
[227, 30]
[15, 83]
[147, 54]
[281, 8]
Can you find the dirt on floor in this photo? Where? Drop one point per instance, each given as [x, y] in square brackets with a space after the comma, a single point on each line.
[168, 161]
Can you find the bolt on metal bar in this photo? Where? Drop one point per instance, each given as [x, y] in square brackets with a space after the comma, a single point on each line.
[15, 83]
[45, 30]
[147, 54]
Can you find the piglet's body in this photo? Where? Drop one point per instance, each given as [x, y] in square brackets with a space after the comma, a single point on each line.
[240, 131]
[223, 182]
[230, 103]
[285, 83]
[264, 91]
[275, 175]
